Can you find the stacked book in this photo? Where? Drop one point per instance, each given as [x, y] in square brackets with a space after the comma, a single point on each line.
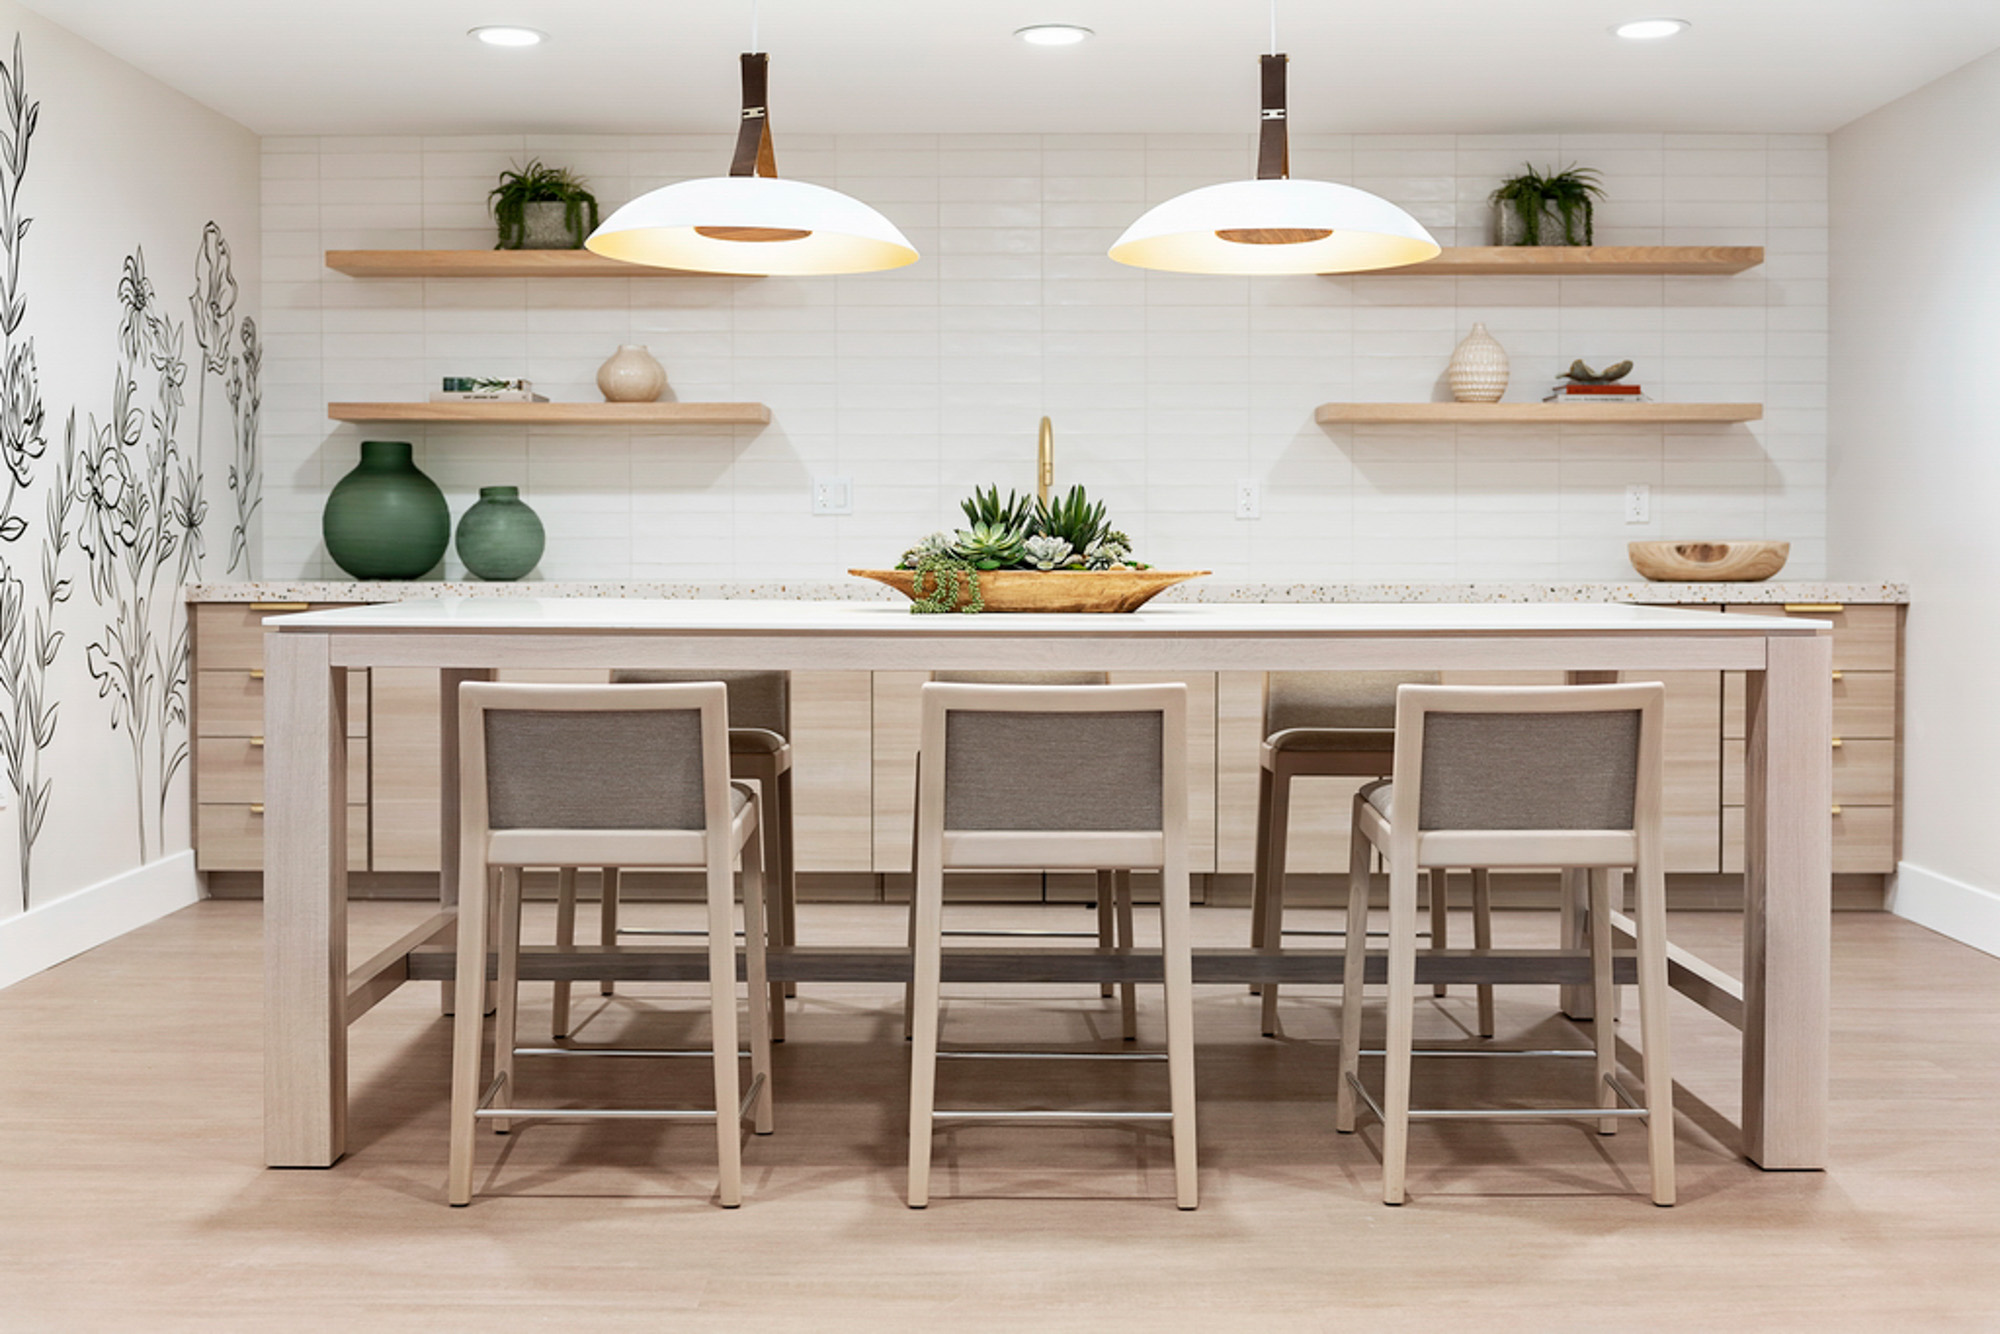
[1571, 392]
[466, 389]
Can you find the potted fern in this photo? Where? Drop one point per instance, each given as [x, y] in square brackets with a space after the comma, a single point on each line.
[1547, 208]
[542, 208]
[1025, 554]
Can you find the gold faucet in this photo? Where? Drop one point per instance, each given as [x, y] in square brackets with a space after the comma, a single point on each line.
[1045, 461]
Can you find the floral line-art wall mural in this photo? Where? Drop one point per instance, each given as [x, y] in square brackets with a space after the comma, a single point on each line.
[214, 307]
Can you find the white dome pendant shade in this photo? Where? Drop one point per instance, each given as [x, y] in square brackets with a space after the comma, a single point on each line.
[1275, 224]
[750, 222]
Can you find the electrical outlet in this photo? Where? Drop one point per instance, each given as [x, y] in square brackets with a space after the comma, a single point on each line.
[1249, 500]
[833, 495]
[1638, 503]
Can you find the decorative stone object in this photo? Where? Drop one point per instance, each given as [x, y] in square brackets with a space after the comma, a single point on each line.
[386, 519]
[631, 376]
[1478, 370]
[500, 538]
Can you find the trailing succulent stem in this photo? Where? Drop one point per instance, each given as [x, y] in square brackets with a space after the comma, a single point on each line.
[954, 586]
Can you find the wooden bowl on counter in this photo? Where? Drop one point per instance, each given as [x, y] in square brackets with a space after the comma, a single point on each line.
[1054, 590]
[1705, 562]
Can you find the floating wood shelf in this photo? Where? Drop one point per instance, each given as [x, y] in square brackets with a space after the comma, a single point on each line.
[1467, 261]
[490, 264]
[558, 414]
[1590, 414]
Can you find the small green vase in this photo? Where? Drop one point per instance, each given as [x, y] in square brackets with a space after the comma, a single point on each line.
[500, 538]
[386, 520]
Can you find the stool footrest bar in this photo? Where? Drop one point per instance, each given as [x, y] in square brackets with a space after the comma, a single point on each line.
[1052, 1116]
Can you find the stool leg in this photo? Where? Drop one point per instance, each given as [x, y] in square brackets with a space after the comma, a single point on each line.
[1107, 919]
[722, 1018]
[507, 1005]
[1128, 992]
[1402, 1015]
[1440, 900]
[467, 1025]
[1575, 1000]
[1176, 963]
[1260, 881]
[1274, 892]
[771, 809]
[787, 868]
[927, 945]
[1352, 987]
[565, 940]
[1655, 1029]
[764, 996]
[1603, 1031]
[1482, 938]
[607, 921]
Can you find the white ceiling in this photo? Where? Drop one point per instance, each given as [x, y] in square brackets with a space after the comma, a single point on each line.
[911, 66]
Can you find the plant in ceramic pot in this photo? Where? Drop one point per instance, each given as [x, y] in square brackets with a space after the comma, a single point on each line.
[542, 208]
[1547, 208]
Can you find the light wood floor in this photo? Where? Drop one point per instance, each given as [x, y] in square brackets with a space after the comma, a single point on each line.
[132, 1199]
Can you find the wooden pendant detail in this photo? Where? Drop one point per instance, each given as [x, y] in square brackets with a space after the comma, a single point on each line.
[754, 234]
[1274, 235]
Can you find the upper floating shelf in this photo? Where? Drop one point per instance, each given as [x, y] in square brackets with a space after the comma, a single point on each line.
[558, 414]
[490, 264]
[1466, 261]
[1592, 414]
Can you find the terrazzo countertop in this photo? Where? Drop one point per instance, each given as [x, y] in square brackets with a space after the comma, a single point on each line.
[1203, 590]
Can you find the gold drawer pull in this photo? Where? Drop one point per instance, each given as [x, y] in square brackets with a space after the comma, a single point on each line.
[1836, 674]
[258, 742]
[257, 808]
[1836, 810]
[280, 606]
[1815, 606]
[257, 673]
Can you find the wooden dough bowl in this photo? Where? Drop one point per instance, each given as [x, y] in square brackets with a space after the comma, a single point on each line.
[1054, 590]
[1732, 562]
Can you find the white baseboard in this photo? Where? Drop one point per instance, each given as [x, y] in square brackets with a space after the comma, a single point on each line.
[1949, 907]
[47, 934]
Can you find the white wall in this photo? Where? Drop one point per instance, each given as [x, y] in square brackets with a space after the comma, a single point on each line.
[1914, 476]
[118, 166]
[1165, 389]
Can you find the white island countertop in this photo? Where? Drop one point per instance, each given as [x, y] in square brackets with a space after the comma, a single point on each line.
[1197, 591]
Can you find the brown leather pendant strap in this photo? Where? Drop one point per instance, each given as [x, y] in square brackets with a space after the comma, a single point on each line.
[1274, 154]
[754, 156]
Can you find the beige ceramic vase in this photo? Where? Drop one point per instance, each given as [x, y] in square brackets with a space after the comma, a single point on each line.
[1478, 370]
[631, 376]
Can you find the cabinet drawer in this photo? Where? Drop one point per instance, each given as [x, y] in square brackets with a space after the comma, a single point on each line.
[231, 769]
[230, 837]
[230, 702]
[231, 634]
[1864, 773]
[1864, 840]
[1864, 704]
[1864, 637]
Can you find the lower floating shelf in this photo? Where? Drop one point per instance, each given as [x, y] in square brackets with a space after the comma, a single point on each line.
[558, 414]
[1587, 414]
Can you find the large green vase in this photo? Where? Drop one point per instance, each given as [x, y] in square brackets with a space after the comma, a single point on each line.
[500, 538]
[386, 520]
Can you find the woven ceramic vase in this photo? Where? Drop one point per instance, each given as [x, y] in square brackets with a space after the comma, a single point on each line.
[631, 376]
[1478, 370]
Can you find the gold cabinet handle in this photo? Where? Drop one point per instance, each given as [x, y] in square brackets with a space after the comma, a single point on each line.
[1815, 606]
[1836, 810]
[280, 606]
[257, 808]
[1836, 674]
[257, 673]
[1836, 742]
[258, 742]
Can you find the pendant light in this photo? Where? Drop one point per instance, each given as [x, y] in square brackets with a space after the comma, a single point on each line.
[751, 222]
[1274, 224]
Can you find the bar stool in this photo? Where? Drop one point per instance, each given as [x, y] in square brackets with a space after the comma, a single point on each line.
[1340, 725]
[1114, 887]
[975, 811]
[1521, 776]
[562, 775]
[760, 725]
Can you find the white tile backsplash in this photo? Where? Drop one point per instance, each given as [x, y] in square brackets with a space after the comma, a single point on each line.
[1165, 389]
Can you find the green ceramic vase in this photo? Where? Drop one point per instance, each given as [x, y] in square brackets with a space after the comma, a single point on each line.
[386, 520]
[500, 538]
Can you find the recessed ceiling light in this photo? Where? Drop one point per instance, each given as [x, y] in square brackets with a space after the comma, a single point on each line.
[506, 35]
[1053, 34]
[1648, 30]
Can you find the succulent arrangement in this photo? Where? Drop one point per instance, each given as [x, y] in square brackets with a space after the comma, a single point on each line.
[1071, 532]
[537, 184]
[1527, 201]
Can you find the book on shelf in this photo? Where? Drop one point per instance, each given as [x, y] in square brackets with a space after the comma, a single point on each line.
[1595, 393]
[487, 396]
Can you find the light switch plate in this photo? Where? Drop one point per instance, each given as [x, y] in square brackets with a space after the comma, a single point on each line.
[833, 495]
[1249, 500]
[1638, 503]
